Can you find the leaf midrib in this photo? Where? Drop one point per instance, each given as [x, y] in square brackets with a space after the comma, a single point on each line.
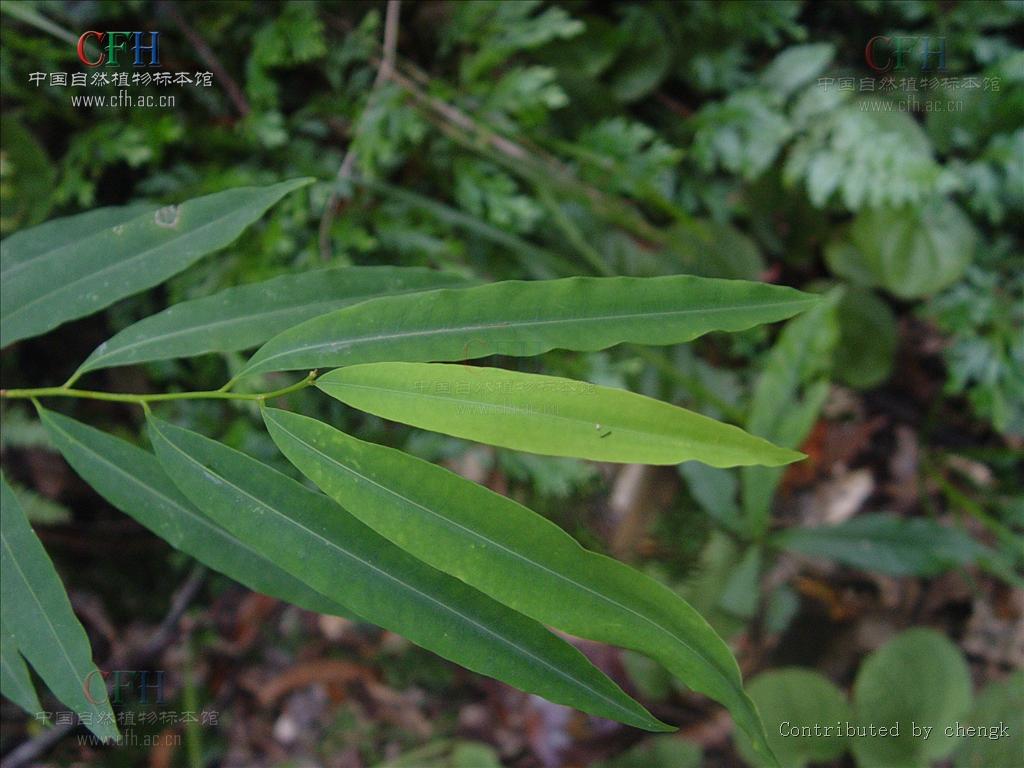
[523, 651]
[526, 324]
[664, 630]
[522, 411]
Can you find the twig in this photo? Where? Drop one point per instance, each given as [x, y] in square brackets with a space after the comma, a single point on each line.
[572, 232]
[28, 752]
[208, 57]
[384, 73]
[533, 165]
[139, 399]
[180, 602]
[29, 15]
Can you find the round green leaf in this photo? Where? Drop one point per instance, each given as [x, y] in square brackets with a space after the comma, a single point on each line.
[658, 752]
[867, 339]
[918, 679]
[999, 710]
[910, 252]
[792, 701]
[645, 60]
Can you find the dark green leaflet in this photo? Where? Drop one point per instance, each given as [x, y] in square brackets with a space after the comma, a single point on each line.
[66, 269]
[15, 682]
[527, 318]
[514, 555]
[36, 610]
[246, 316]
[314, 539]
[131, 479]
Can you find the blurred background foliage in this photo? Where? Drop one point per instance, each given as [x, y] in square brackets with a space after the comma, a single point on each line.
[523, 140]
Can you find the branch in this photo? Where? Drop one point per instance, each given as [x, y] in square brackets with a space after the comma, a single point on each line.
[384, 73]
[531, 163]
[208, 57]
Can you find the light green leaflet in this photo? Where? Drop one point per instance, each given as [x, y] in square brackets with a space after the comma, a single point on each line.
[131, 479]
[546, 414]
[15, 682]
[314, 539]
[47, 632]
[70, 268]
[513, 555]
[246, 316]
[527, 318]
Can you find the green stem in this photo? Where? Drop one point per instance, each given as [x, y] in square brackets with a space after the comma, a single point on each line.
[572, 232]
[117, 397]
[190, 700]
[956, 497]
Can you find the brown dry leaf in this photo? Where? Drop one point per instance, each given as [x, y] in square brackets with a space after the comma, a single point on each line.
[162, 753]
[712, 733]
[904, 468]
[334, 628]
[838, 499]
[978, 473]
[402, 709]
[300, 716]
[845, 441]
[839, 609]
[249, 619]
[638, 495]
[325, 671]
[995, 632]
[802, 473]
